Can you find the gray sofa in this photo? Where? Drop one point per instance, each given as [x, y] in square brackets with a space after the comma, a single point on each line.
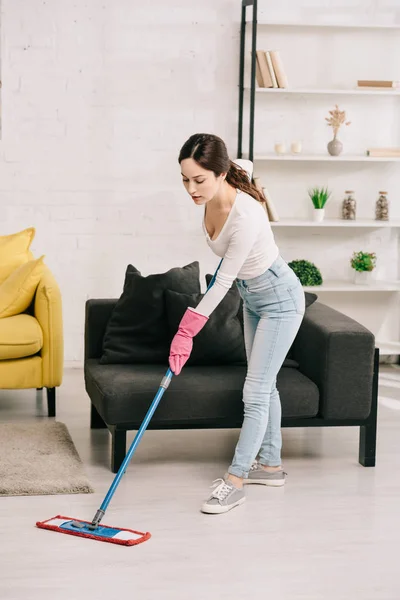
[330, 380]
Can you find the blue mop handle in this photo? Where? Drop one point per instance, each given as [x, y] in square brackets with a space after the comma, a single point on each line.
[163, 386]
[166, 380]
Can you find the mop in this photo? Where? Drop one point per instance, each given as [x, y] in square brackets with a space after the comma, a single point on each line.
[93, 529]
[104, 533]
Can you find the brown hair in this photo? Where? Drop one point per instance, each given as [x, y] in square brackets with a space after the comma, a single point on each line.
[209, 151]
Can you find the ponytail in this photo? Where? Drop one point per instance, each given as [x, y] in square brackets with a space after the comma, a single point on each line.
[239, 179]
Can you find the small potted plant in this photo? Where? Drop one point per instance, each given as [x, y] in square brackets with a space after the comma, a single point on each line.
[319, 197]
[336, 119]
[307, 272]
[363, 263]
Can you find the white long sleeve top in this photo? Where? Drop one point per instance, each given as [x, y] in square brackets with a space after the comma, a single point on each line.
[247, 245]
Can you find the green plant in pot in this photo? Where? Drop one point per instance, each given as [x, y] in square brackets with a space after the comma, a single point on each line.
[363, 264]
[307, 272]
[319, 197]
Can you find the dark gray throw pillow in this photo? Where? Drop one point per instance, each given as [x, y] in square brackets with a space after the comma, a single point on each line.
[137, 331]
[221, 341]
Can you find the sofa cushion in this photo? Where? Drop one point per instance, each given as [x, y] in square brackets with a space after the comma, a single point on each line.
[14, 251]
[200, 396]
[221, 340]
[137, 331]
[20, 336]
[18, 290]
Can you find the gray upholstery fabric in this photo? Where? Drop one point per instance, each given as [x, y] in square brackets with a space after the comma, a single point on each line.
[337, 353]
[199, 396]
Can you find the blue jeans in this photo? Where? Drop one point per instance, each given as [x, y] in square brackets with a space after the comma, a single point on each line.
[273, 309]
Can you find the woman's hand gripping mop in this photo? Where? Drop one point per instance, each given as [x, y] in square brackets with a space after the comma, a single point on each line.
[181, 347]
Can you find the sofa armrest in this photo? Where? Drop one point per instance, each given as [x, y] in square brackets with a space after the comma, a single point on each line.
[97, 314]
[337, 354]
[47, 309]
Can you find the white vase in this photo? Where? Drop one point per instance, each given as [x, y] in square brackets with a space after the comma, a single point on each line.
[319, 214]
[362, 277]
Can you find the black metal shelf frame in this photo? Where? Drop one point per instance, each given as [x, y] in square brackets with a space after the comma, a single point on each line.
[245, 4]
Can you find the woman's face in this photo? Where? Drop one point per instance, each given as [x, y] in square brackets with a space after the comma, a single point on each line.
[202, 185]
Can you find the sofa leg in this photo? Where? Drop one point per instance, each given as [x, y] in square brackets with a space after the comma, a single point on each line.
[51, 402]
[96, 422]
[367, 448]
[118, 449]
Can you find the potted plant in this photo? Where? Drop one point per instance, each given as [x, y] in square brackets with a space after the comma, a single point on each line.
[363, 263]
[336, 119]
[319, 197]
[307, 272]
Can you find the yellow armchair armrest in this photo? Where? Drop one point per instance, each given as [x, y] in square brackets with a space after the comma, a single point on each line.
[48, 311]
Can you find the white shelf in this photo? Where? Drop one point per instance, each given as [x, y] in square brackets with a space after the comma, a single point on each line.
[325, 158]
[339, 91]
[371, 223]
[388, 347]
[348, 286]
[337, 25]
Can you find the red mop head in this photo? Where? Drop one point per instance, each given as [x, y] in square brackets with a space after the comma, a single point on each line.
[103, 533]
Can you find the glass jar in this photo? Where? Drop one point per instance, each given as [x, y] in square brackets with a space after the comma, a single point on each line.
[349, 206]
[382, 207]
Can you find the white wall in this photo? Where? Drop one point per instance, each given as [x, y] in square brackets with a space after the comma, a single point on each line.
[98, 97]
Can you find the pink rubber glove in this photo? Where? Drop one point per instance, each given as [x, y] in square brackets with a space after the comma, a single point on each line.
[182, 343]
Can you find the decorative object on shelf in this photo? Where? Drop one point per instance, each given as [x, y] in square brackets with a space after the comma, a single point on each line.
[378, 83]
[319, 197]
[336, 119]
[280, 148]
[349, 206]
[382, 207]
[296, 147]
[363, 264]
[269, 205]
[307, 272]
[391, 152]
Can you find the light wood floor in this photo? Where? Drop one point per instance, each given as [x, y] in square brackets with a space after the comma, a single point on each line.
[333, 533]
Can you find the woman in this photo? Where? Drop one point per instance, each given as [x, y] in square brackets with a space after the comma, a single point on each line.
[237, 229]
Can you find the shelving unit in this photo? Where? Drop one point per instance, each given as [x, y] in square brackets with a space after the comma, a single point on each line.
[394, 92]
[249, 92]
[325, 158]
[306, 24]
[365, 223]
[346, 286]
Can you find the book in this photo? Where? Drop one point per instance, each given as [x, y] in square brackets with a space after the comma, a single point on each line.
[259, 78]
[271, 69]
[269, 205]
[279, 68]
[377, 83]
[264, 70]
[383, 152]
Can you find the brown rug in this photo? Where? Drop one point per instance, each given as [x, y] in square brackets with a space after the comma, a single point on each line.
[39, 459]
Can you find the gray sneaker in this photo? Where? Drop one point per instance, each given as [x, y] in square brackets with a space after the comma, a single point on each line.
[224, 497]
[258, 475]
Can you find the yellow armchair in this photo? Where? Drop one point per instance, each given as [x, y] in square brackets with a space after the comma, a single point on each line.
[32, 344]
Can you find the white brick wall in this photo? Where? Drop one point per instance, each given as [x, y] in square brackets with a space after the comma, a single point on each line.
[97, 98]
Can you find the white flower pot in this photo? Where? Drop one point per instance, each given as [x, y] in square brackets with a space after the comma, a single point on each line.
[319, 214]
[362, 277]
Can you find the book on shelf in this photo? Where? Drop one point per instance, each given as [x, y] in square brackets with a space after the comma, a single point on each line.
[270, 72]
[265, 73]
[269, 205]
[383, 152]
[279, 69]
[271, 69]
[378, 83]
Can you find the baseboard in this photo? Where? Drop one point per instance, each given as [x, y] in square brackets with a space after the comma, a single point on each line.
[73, 364]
